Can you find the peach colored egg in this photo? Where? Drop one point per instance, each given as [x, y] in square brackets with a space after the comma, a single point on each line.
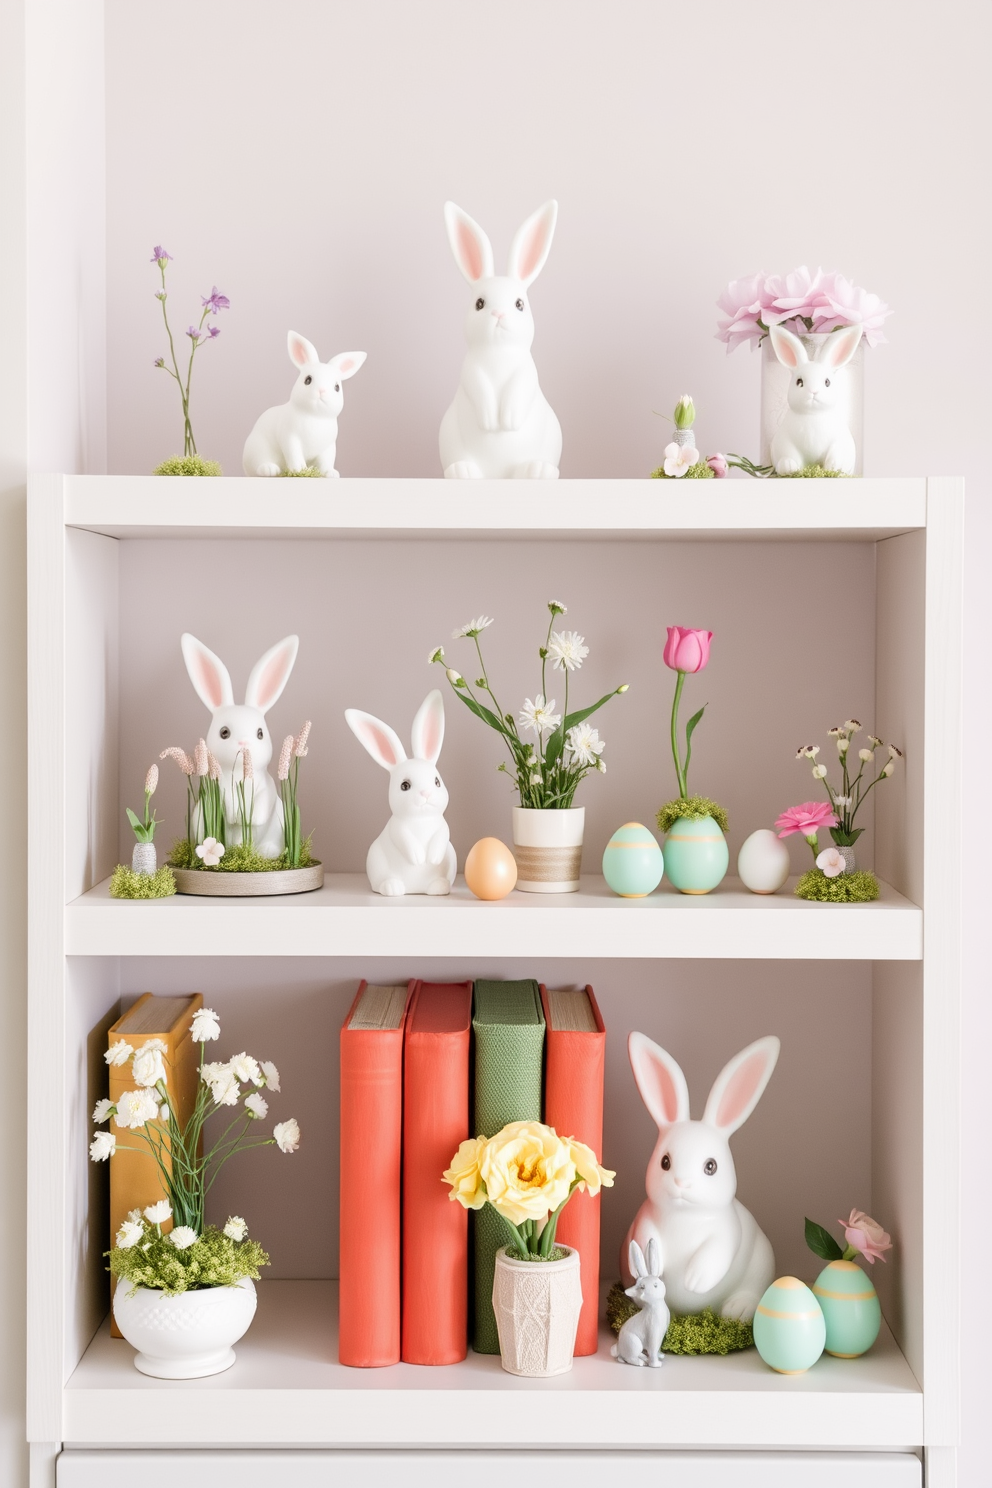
[490, 869]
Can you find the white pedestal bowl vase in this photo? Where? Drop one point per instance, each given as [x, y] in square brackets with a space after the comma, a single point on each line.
[537, 1306]
[775, 394]
[548, 848]
[186, 1336]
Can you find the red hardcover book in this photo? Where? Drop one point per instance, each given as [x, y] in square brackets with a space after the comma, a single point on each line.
[435, 1121]
[575, 1054]
[371, 1147]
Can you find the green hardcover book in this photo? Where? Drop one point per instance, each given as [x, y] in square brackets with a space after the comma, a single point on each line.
[508, 1027]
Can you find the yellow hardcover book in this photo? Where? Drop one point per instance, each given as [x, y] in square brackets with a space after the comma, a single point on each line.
[135, 1179]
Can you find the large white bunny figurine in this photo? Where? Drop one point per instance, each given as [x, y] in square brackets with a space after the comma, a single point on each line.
[813, 430]
[642, 1335]
[500, 423]
[413, 853]
[303, 431]
[239, 729]
[712, 1252]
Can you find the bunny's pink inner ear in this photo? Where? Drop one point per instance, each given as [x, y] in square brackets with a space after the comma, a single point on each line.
[383, 743]
[427, 734]
[788, 348]
[740, 1085]
[270, 674]
[659, 1080]
[207, 682]
[302, 353]
[207, 673]
[740, 1091]
[375, 736]
[840, 346]
[533, 243]
[469, 244]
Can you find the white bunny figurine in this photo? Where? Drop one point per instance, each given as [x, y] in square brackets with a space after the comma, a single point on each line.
[813, 431]
[303, 431]
[413, 853]
[641, 1336]
[711, 1250]
[500, 423]
[236, 729]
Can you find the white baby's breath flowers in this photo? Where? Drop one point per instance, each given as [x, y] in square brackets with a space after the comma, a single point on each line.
[436, 655]
[102, 1111]
[102, 1146]
[118, 1053]
[539, 715]
[158, 1213]
[183, 1236]
[287, 1135]
[843, 801]
[865, 755]
[148, 1067]
[205, 1026]
[235, 1229]
[135, 1107]
[567, 650]
[270, 1074]
[210, 851]
[130, 1232]
[584, 744]
[257, 1105]
[473, 628]
[245, 1069]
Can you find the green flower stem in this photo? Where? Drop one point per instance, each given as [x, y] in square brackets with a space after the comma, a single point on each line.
[850, 1253]
[813, 845]
[680, 774]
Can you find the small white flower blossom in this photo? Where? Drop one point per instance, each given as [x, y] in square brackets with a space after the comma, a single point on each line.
[819, 772]
[865, 755]
[556, 607]
[536, 778]
[436, 655]
[257, 1105]
[889, 769]
[453, 676]
[567, 650]
[158, 1213]
[843, 801]
[287, 1135]
[245, 1069]
[224, 1087]
[134, 1215]
[271, 1075]
[834, 733]
[130, 1232]
[539, 715]
[135, 1107]
[205, 1026]
[894, 752]
[183, 1236]
[118, 1053]
[601, 766]
[831, 863]
[102, 1111]
[843, 745]
[235, 1229]
[853, 725]
[163, 1114]
[584, 744]
[473, 628]
[102, 1146]
[210, 851]
[679, 458]
[148, 1067]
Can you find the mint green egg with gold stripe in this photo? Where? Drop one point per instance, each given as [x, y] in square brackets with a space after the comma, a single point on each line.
[851, 1309]
[696, 855]
[632, 863]
[789, 1330]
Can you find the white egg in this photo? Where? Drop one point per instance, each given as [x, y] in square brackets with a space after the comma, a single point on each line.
[763, 862]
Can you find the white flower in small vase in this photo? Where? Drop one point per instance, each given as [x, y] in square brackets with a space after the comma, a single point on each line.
[224, 1087]
[539, 716]
[102, 1111]
[245, 1069]
[149, 1067]
[210, 851]
[583, 744]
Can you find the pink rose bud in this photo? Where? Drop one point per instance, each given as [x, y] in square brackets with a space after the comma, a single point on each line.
[866, 1235]
[718, 465]
[687, 650]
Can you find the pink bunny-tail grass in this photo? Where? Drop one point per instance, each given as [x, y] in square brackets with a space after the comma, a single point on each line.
[151, 780]
[180, 756]
[285, 755]
[201, 758]
[214, 765]
[247, 768]
[300, 747]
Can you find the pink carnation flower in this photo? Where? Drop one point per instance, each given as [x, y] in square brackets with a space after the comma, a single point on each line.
[807, 819]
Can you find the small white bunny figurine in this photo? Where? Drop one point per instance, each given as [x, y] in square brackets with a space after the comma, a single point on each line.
[711, 1250]
[303, 431]
[500, 423]
[238, 729]
[813, 431]
[413, 853]
[641, 1336]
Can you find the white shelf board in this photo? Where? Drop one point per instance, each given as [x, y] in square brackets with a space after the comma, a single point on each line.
[148, 506]
[287, 1387]
[345, 918]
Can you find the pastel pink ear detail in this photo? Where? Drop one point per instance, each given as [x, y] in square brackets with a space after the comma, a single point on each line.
[207, 680]
[532, 243]
[740, 1085]
[659, 1080]
[272, 681]
[469, 252]
[270, 674]
[208, 674]
[347, 364]
[383, 743]
[740, 1091]
[427, 734]
[787, 347]
[841, 346]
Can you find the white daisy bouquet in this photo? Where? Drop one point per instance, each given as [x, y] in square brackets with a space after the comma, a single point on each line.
[189, 1253]
[566, 747]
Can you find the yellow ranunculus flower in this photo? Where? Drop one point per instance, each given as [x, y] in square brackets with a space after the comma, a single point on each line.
[528, 1171]
[591, 1176]
[463, 1175]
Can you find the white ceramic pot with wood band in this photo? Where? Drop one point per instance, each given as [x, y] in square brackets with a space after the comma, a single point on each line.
[548, 848]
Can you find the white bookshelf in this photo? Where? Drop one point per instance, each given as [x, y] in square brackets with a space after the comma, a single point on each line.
[287, 1390]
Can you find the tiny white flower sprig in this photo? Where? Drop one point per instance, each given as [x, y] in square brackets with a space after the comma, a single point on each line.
[188, 1172]
[853, 791]
[567, 748]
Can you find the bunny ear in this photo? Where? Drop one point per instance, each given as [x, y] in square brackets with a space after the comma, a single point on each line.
[427, 734]
[347, 363]
[270, 674]
[740, 1085]
[302, 353]
[377, 737]
[635, 1259]
[654, 1258]
[659, 1079]
[530, 247]
[472, 249]
[207, 673]
[788, 348]
[840, 346]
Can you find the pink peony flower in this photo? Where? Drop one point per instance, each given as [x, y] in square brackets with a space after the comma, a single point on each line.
[687, 650]
[792, 297]
[807, 819]
[838, 302]
[743, 302]
[864, 1234]
[718, 465]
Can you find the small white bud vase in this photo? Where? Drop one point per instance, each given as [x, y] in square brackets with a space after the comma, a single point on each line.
[775, 380]
[186, 1336]
[144, 858]
[547, 846]
[850, 862]
[537, 1306]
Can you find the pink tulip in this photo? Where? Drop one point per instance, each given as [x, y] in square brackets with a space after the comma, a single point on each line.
[807, 819]
[718, 465]
[864, 1234]
[687, 650]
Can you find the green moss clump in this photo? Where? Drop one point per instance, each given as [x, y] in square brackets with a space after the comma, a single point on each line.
[698, 1333]
[699, 471]
[211, 1261]
[237, 859]
[126, 884]
[308, 470]
[859, 887]
[816, 472]
[692, 810]
[187, 465]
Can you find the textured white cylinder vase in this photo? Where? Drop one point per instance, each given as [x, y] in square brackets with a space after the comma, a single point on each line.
[548, 848]
[775, 381]
[537, 1306]
[144, 858]
[186, 1336]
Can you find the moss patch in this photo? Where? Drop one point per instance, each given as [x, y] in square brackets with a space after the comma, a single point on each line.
[212, 1260]
[816, 472]
[699, 471]
[308, 470]
[860, 887]
[237, 859]
[699, 1333]
[126, 884]
[187, 465]
[692, 810]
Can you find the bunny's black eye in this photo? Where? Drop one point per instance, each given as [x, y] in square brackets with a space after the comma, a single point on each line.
[799, 382]
[337, 387]
[405, 785]
[666, 1162]
[259, 734]
[709, 1166]
[437, 781]
[520, 304]
[225, 732]
[307, 380]
[480, 303]
[826, 382]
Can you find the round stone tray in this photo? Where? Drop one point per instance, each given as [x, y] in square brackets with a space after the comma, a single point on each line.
[248, 885]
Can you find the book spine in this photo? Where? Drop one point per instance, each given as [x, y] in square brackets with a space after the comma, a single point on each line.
[573, 1105]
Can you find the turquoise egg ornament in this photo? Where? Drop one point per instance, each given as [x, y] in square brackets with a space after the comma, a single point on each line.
[696, 855]
[632, 863]
[850, 1307]
[789, 1330]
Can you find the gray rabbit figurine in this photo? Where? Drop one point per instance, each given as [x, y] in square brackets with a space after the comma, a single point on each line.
[642, 1335]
